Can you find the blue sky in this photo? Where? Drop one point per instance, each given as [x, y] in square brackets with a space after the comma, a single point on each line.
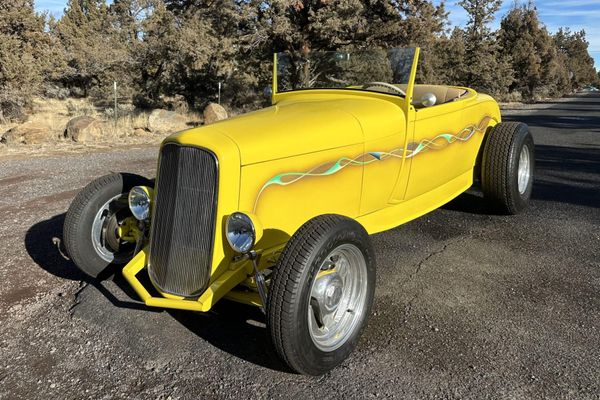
[575, 14]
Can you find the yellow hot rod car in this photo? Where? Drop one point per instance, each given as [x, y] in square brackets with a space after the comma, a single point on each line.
[274, 208]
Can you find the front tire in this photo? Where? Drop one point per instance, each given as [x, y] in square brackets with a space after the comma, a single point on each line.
[321, 294]
[92, 223]
[507, 168]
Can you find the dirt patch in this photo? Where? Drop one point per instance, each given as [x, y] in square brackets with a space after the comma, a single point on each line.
[15, 179]
[41, 201]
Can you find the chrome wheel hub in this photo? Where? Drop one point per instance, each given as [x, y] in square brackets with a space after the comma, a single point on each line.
[524, 171]
[338, 297]
[328, 291]
[105, 237]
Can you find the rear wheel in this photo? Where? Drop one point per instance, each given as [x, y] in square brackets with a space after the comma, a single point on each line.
[321, 294]
[507, 167]
[98, 222]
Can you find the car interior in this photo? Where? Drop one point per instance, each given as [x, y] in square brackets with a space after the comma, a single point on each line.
[443, 94]
[428, 95]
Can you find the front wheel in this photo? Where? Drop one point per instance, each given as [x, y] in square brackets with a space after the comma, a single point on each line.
[321, 294]
[507, 167]
[97, 226]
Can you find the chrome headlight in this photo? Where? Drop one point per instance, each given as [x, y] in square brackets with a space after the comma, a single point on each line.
[139, 202]
[240, 232]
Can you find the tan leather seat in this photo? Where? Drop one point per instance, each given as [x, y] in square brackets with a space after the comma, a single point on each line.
[443, 94]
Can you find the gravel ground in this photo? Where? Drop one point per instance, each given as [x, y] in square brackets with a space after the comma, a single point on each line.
[468, 305]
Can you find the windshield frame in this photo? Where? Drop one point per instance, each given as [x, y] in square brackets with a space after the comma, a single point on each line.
[408, 66]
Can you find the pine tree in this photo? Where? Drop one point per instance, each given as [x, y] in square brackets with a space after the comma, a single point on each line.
[485, 68]
[25, 55]
[96, 53]
[449, 59]
[574, 47]
[529, 46]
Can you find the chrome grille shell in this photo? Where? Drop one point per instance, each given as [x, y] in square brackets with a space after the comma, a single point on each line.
[183, 220]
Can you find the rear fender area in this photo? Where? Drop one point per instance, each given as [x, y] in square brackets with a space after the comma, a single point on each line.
[490, 105]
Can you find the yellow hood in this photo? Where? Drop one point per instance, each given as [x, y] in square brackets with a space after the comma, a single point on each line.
[302, 123]
[308, 123]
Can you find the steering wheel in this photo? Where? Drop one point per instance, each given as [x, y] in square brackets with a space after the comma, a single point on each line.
[385, 85]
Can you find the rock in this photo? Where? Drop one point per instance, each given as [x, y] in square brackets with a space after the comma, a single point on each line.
[12, 111]
[139, 132]
[83, 129]
[213, 113]
[27, 133]
[164, 121]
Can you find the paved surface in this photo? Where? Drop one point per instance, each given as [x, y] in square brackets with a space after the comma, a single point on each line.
[468, 305]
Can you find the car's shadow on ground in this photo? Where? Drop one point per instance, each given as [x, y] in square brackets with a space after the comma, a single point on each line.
[234, 328]
[237, 329]
[43, 242]
[470, 202]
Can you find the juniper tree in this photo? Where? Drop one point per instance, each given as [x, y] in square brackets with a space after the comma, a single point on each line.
[485, 68]
[26, 57]
[574, 47]
[449, 62]
[529, 46]
[96, 54]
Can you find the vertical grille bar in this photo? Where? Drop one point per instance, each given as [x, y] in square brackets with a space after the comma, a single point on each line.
[183, 221]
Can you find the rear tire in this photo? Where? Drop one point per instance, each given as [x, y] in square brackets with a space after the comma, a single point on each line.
[104, 202]
[507, 167]
[321, 294]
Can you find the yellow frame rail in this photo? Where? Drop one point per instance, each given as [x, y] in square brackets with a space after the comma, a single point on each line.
[218, 288]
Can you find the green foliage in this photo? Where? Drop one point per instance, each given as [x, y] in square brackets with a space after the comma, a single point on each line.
[485, 68]
[95, 52]
[538, 67]
[580, 65]
[160, 50]
[26, 58]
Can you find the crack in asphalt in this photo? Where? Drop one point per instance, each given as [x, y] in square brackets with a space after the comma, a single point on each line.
[420, 264]
[76, 299]
[409, 305]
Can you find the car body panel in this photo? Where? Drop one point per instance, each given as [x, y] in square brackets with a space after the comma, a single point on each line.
[449, 136]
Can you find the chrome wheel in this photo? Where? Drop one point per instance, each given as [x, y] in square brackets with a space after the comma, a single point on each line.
[338, 298]
[524, 171]
[105, 236]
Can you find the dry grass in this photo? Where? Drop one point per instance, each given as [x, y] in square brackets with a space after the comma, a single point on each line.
[131, 126]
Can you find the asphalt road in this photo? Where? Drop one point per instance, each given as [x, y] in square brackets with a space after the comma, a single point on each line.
[467, 305]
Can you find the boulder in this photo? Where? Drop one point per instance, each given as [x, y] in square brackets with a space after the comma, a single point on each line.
[164, 121]
[213, 113]
[27, 133]
[140, 132]
[84, 129]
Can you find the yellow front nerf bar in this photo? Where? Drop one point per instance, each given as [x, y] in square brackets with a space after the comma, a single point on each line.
[217, 289]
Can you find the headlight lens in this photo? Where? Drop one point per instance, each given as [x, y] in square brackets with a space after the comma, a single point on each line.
[240, 232]
[139, 202]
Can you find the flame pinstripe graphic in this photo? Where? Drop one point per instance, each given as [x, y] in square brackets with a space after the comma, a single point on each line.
[439, 142]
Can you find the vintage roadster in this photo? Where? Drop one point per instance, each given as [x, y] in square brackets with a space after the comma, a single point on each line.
[274, 208]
